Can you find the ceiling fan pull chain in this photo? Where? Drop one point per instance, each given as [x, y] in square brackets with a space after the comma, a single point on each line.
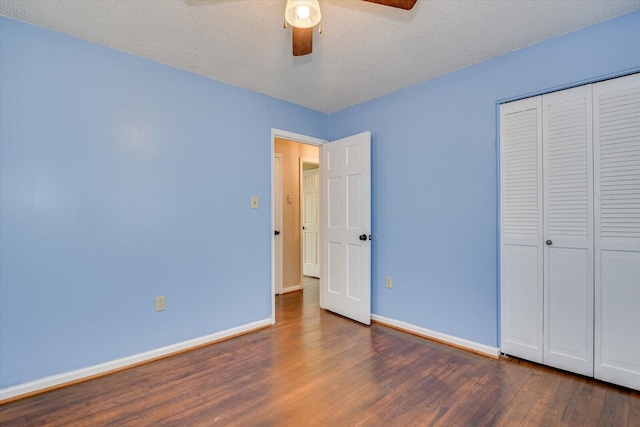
[285, 24]
[320, 29]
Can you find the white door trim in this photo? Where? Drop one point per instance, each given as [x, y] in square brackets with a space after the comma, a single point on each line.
[313, 161]
[277, 220]
[291, 136]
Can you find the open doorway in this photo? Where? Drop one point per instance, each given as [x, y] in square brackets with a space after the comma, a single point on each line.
[303, 143]
[297, 211]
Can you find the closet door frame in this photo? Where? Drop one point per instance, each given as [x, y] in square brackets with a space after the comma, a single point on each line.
[615, 241]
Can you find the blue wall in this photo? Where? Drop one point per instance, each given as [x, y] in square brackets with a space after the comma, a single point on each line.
[434, 168]
[123, 179]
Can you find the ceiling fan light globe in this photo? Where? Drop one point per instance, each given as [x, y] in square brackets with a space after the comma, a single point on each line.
[302, 13]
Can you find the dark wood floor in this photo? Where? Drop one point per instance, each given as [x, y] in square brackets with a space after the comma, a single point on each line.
[316, 368]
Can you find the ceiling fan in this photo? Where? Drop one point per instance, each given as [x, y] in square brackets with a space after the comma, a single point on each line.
[303, 15]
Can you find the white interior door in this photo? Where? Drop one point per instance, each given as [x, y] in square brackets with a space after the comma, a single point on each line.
[617, 230]
[345, 224]
[521, 228]
[310, 222]
[568, 230]
[277, 220]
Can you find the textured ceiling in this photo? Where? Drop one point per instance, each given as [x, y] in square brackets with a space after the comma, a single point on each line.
[366, 50]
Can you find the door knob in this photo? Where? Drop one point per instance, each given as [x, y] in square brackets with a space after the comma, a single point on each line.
[549, 242]
[363, 237]
[276, 232]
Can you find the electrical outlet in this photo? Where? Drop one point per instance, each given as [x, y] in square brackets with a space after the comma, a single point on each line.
[389, 282]
[160, 304]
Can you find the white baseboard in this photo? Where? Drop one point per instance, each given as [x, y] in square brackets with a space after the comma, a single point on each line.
[291, 289]
[437, 336]
[55, 381]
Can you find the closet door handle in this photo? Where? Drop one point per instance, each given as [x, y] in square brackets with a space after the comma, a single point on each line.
[549, 242]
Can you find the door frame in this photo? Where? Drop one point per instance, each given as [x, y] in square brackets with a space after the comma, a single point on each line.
[291, 136]
[311, 161]
[277, 224]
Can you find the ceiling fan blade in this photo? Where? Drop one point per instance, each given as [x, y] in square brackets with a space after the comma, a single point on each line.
[302, 40]
[402, 4]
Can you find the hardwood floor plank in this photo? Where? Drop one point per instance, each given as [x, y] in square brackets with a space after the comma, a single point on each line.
[316, 368]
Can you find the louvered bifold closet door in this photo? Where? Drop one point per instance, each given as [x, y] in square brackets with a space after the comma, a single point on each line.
[568, 229]
[521, 228]
[617, 230]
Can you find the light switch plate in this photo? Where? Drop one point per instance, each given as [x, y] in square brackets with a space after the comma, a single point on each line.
[254, 202]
